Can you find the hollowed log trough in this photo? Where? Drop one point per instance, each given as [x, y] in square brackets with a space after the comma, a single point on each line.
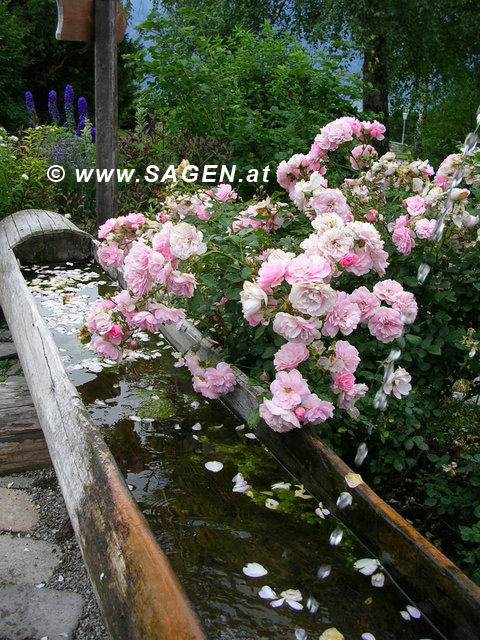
[138, 593]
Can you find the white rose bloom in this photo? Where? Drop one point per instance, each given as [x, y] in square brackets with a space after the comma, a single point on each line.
[327, 221]
[186, 241]
[312, 298]
[253, 299]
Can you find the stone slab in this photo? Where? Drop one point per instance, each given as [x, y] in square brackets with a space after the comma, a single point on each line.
[17, 512]
[27, 612]
[7, 350]
[26, 560]
[18, 482]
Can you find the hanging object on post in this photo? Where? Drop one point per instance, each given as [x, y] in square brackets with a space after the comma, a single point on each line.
[76, 21]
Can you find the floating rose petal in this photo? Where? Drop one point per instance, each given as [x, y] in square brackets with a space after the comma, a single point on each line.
[405, 615]
[367, 566]
[292, 597]
[344, 500]
[312, 604]
[41, 585]
[267, 593]
[195, 437]
[195, 404]
[270, 503]
[324, 571]
[197, 427]
[214, 466]
[240, 427]
[378, 580]
[353, 480]
[332, 634]
[100, 403]
[240, 484]
[300, 634]
[250, 436]
[135, 418]
[336, 537]
[362, 453]
[368, 636]
[321, 512]
[281, 485]
[254, 570]
[413, 611]
[177, 427]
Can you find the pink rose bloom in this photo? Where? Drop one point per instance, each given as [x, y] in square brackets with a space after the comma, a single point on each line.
[124, 301]
[373, 215]
[331, 201]
[215, 381]
[403, 239]
[366, 302]
[110, 255]
[317, 410]
[416, 205]
[143, 320]
[289, 389]
[379, 259]
[110, 226]
[405, 303]
[398, 384]
[335, 133]
[167, 315]
[116, 331]
[361, 155]
[387, 290]
[375, 129]
[346, 357]
[243, 223]
[191, 360]
[311, 268]
[161, 240]
[349, 260]
[277, 418]
[312, 298]
[225, 193]
[424, 228]
[136, 272]
[296, 328]
[134, 220]
[347, 399]
[344, 316]
[186, 241]
[271, 274]
[332, 244]
[343, 381]
[366, 232]
[182, 284]
[386, 324]
[290, 355]
[157, 270]
[363, 262]
[105, 348]
[254, 302]
[100, 323]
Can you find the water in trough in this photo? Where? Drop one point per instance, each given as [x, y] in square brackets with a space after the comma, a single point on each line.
[210, 525]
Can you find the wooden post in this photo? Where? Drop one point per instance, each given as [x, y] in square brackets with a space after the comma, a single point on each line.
[106, 106]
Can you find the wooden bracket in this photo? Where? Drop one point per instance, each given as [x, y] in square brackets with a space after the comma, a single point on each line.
[76, 20]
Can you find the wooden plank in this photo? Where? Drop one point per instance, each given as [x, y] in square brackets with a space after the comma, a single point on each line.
[22, 445]
[138, 592]
[106, 106]
[445, 594]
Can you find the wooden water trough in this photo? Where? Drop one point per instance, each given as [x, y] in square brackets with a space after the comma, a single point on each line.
[137, 590]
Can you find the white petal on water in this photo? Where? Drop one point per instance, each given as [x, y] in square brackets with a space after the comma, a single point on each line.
[214, 466]
[324, 571]
[362, 453]
[135, 418]
[353, 480]
[367, 566]
[195, 404]
[378, 580]
[197, 427]
[300, 634]
[368, 636]
[281, 485]
[336, 537]
[277, 603]
[294, 604]
[195, 437]
[312, 604]
[10, 485]
[41, 585]
[267, 593]
[60, 579]
[250, 436]
[240, 427]
[100, 403]
[149, 420]
[177, 427]
[413, 611]
[405, 615]
[270, 503]
[254, 570]
[344, 500]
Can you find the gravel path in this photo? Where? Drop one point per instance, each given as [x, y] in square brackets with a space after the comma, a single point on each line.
[54, 526]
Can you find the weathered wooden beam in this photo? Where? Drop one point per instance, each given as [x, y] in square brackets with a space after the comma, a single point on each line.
[106, 107]
[137, 590]
[444, 593]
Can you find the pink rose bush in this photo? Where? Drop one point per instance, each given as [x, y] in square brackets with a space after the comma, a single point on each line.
[276, 283]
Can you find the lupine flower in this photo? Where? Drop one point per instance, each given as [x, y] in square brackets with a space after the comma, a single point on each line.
[68, 103]
[52, 106]
[30, 106]
[82, 115]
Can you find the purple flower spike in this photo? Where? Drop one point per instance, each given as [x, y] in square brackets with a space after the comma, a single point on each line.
[68, 102]
[52, 106]
[30, 106]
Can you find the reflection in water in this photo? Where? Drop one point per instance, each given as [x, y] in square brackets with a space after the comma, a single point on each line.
[162, 436]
